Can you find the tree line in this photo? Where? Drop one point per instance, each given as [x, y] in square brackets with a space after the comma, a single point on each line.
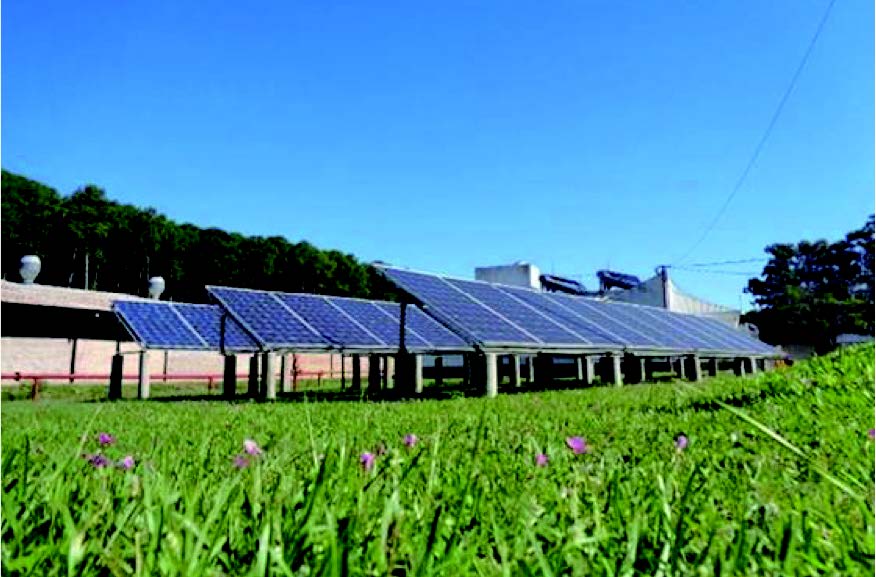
[86, 240]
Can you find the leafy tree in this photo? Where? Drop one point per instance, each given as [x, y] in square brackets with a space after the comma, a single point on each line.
[125, 245]
[812, 292]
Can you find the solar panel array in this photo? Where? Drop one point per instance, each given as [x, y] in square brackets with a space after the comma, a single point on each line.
[500, 316]
[164, 325]
[280, 320]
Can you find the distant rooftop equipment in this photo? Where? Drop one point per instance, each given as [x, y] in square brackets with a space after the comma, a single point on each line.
[553, 283]
[156, 287]
[660, 291]
[609, 279]
[518, 274]
[30, 268]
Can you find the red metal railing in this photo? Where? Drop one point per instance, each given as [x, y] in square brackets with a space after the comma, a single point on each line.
[209, 377]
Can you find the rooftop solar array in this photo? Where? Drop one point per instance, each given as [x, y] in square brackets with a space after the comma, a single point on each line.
[165, 325]
[499, 316]
[280, 320]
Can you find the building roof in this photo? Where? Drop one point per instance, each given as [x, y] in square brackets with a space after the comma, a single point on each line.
[64, 297]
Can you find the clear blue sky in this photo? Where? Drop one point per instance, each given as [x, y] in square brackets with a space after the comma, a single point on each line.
[575, 135]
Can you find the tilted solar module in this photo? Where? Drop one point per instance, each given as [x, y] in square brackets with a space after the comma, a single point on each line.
[165, 325]
[425, 328]
[330, 321]
[316, 322]
[533, 322]
[450, 304]
[588, 329]
[492, 315]
[269, 319]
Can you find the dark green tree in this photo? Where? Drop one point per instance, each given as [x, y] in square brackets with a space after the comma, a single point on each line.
[812, 292]
[125, 245]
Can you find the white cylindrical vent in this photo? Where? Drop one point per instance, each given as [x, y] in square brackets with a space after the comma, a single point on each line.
[30, 268]
[156, 287]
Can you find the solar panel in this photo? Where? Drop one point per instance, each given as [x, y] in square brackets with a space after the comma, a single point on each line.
[493, 315]
[207, 322]
[292, 321]
[330, 321]
[268, 319]
[533, 322]
[452, 304]
[383, 324]
[593, 312]
[425, 328]
[588, 329]
[164, 325]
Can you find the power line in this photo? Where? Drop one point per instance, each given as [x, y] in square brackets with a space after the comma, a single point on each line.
[718, 271]
[765, 136]
[723, 262]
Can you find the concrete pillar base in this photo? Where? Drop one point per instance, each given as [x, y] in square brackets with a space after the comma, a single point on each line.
[284, 380]
[269, 377]
[492, 376]
[515, 371]
[418, 374]
[143, 383]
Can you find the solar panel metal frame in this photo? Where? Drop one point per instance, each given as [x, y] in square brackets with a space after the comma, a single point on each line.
[330, 345]
[522, 347]
[130, 326]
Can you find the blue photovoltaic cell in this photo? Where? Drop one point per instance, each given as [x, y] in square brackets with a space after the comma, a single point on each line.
[589, 330]
[733, 335]
[157, 325]
[458, 309]
[207, 322]
[667, 325]
[416, 321]
[329, 321]
[268, 319]
[665, 334]
[532, 321]
[378, 322]
[592, 312]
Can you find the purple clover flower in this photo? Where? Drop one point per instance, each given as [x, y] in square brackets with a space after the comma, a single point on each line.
[681, 442]
[410, 440]
[241, 461]
[105, 439]
[367, 461]
[250, 447]
[127, 463]
[541, 460]
[872, 434]
[578, 445]
[98, 461]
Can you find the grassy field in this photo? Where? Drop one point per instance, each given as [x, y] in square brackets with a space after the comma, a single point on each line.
[773, 476]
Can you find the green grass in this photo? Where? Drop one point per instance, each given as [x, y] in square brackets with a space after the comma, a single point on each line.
[777, 480]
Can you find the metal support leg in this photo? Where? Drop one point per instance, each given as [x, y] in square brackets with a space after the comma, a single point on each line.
[115, 384]
[356, 385]
[229, 377]
[515, 371]
[253, 380]
[439, 371]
